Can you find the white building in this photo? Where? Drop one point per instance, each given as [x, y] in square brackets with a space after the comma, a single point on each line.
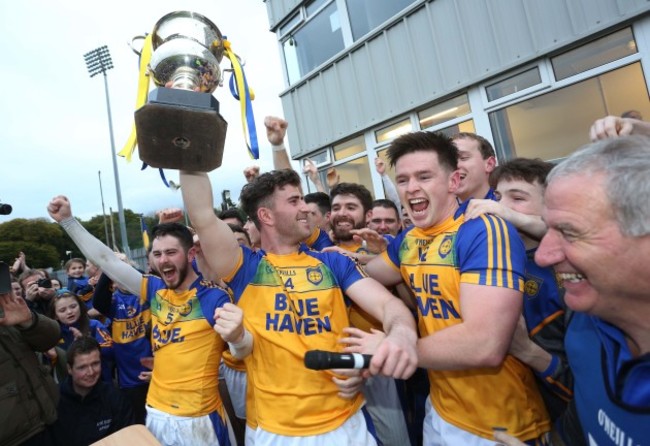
[529, 75]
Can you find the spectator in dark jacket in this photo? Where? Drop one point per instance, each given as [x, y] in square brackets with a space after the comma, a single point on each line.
[28, 395]
[89, 409]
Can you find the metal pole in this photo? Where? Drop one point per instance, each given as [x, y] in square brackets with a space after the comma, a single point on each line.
[118, 191]
[101, 193]
[99, 61]
[113, 230]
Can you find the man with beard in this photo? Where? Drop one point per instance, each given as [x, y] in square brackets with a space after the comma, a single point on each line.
[183, 404]
[293, 301]
[351, 209]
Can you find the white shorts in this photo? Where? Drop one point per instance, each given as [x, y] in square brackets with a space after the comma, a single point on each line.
[437, 432]
[173, 430]
[236, 384]
[249, 436]
[354, 432]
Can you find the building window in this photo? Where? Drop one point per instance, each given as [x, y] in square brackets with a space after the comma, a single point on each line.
[366, 15]
[349, 148]
[513, 84]
[443, 112]
[553, 125]
[314, 43]
[390, 171]
[461, 127]
[290, 24]
[594, 54]
[313, 6]
[393, 131]
[356, 171]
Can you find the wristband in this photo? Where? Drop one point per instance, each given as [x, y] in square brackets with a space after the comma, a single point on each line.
[551, 368]
[242, 347]
[279, 148]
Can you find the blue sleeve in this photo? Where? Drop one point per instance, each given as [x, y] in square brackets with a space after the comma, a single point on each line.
[245, 272]
[153, 284]
[211, 299]
[392, 251]
[345, 269]
[490, 252]
[323, 241]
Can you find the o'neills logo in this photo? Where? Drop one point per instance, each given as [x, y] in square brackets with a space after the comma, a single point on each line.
[615, 433]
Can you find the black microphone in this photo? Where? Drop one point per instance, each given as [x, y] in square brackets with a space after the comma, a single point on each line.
[322, 360]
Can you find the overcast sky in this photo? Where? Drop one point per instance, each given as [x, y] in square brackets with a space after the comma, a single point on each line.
[53, 118]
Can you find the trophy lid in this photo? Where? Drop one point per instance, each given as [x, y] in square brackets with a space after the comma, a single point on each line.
[192, 25]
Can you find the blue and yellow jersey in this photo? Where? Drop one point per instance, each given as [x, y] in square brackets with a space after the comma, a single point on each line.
[318, 240]
[232, 362]
[434, 262]
[612, 386]
[294, 303]
[130, 330]
[546, 321]
[187, 350]
[358, 317]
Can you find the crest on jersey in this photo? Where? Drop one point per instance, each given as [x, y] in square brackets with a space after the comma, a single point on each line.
[130, 311]
[314, 275]
[185, 309]
[445, 246]
[531, 288]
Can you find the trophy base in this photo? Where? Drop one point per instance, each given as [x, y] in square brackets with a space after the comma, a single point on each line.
[181, 129]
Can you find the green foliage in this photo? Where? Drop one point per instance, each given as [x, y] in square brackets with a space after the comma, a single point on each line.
[45, 244]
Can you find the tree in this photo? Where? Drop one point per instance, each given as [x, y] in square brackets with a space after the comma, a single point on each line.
[43, 243]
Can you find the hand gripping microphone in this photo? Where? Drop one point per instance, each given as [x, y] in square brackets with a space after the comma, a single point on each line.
[322, 360]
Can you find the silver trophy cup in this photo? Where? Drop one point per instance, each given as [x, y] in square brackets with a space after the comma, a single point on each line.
[180, 126]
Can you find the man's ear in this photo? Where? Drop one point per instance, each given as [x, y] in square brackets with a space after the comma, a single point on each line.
[368, 216]
[454, 181]
[265, 216]
[191, 253]
[490, 164]
[69, 369]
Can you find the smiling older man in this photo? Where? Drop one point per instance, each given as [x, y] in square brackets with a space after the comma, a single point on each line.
[598, 214]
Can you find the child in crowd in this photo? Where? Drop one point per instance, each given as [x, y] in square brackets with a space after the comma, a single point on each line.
[72, 315]
[75, 269]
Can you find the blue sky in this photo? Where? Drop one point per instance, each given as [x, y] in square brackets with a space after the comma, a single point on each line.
[53, 118]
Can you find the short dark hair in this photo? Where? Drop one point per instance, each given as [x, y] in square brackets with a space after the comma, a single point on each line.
[526, 169]
[385, 203]
[484, 145]
[358, 190]
[81, 346]
[232, 213]
[321, 199]
[240, 229]
[436, 142]
[176, 230]
[257, 193]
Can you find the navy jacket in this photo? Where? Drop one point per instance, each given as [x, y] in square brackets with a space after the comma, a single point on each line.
[85, 420]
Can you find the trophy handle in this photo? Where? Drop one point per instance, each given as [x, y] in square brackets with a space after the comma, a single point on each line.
[136, 51]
